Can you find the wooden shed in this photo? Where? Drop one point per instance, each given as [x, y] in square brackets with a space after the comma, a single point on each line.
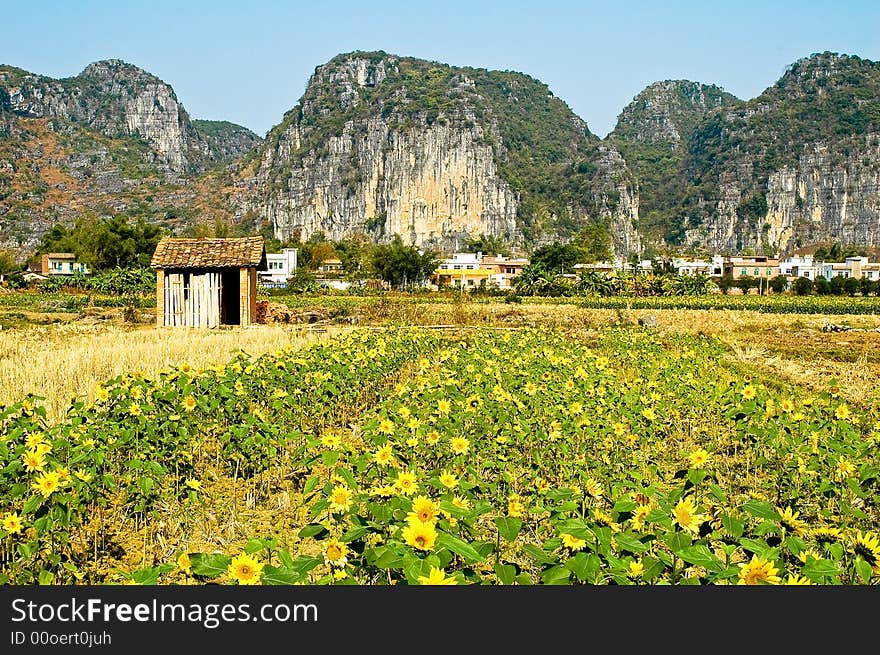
[207, 282]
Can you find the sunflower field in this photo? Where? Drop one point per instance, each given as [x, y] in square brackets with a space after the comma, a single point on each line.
[482, 456]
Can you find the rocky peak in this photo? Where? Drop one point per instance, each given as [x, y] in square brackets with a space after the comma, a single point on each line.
[109, 69]
[385, 144]
[669, 111]
[823, 72]
[116, 99]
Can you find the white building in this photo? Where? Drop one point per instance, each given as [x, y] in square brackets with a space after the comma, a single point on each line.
[857, 267]
[279, 267]
[800, 266]
[692, 266]
[62, 263]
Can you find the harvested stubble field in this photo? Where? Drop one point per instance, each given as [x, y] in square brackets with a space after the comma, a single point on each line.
[518, 444]
[64, 361]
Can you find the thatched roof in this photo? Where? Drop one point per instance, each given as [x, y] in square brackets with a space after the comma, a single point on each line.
[244, 252]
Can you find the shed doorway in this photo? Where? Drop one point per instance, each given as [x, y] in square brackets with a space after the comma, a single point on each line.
[230, 305]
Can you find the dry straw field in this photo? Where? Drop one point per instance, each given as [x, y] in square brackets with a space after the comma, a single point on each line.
[59, 362]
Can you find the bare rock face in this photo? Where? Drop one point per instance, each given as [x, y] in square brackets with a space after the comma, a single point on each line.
[432, 184]
[385, 145]
[832, 194]
[799, 164]
[619, 200]
[667, 112]
[115, 99]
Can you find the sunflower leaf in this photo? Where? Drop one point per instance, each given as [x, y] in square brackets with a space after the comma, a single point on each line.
[459, 547]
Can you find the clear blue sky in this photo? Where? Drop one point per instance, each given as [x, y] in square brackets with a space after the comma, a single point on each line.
[249, 61]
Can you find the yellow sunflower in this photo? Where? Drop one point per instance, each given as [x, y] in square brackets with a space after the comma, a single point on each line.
[572, 542]
[436, 577]
[46, 484]
[867, 546]
[685, 515]
[33, 461]
[448, 480]
[245, 569]
[384, 456]
[460, 445]
[758, 571]
[699, 458]
[335, 553]
[11, 523]
[406, 483]
[420, 535]
[424, 510]
[340, 499]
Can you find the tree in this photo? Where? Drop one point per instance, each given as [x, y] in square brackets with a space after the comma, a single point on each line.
[745, 283]
[725, 283]
[867, 287]
[778, 283]
[8, 262]
[356, 255]
[594, 242]
[557, 257]
[803, 286]
[534, 280]
[488, 245]
[403, 266]
[821, 285]
[837, 253]
[104, 243]
[851, 286]
[837, 285]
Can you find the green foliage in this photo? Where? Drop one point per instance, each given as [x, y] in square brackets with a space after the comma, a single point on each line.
[557, 257]
[115, 281]
[725, 283]
[403, 266]
[656, 157]
[836, 285]
[778, 283]
[488, 245]
[104, 243]
[837, 252]
[851, 286]
[8, 262]
[803, 286]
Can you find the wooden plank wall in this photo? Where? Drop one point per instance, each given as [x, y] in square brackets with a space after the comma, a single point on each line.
[192, 300]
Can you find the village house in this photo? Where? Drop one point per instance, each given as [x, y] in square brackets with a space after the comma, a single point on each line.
[61, 263]
[800, 266]
[605, 267]
[463, 270]
[469, 270]
[684, 266]
[506, 269]
[856, 267]
[759, 267]
[330, 267]
[207, 282]
[279, 267]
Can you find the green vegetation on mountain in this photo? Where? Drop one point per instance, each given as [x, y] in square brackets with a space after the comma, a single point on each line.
[652, 134]
[542, 149]
[823, 99]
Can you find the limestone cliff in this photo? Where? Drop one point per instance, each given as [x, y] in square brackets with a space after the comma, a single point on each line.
[114, 98]
[653, 132]
[832, 194]
[798, 164]
[392, 145]
[667, 112]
